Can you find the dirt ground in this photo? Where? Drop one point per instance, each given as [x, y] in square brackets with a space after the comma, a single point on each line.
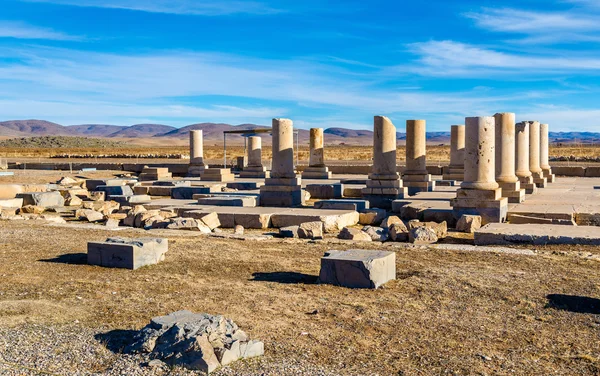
[449, 312]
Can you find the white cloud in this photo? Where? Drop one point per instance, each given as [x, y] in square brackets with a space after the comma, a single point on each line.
[189, 7]
[451, 58]
[21, 30]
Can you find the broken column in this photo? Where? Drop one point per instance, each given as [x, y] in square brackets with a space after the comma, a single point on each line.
[544, 152]
[384, 184]
[282, 188]
[522, 157]
[255, 168]
[479, 193]
[316, 164]
[505, 158]
[534, 155]
[196, 167]
[456, 169]
[415, 177]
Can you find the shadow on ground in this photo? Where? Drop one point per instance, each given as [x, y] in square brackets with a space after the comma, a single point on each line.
[116, 340]
[69, 258]
[574, 303]
[285, 277]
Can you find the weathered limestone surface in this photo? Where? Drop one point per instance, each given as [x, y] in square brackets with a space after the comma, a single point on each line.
[218, 174]
[479, 193]
[283, 188]
[505, 158]
[358, 268]
[534, 155]
[325, 191]
[415, 177]
[522, 157]
[255, 168]
[505, 234]
[456, 169]
[342, 204]
[42, 199]
[544, 157]
[316, 165]
[384, 184]
[196, 167]
[127, 253]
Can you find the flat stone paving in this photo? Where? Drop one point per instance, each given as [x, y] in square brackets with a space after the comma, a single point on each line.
[507, 234]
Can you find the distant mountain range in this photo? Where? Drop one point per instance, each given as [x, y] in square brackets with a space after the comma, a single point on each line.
[213, 132]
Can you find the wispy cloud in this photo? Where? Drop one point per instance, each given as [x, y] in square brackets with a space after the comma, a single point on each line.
[451, 58]
[21, 30]
[184, 7]
[539, 26]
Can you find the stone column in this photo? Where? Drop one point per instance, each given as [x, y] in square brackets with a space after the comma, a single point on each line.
[534, 155]
[456, 169]
[316, 165]
[415, 177]
[544, 154]
[283, 188]
[255, 168]
[479, 193]
[384, 184]
[505, 158]
[197, 166]
[522, 157]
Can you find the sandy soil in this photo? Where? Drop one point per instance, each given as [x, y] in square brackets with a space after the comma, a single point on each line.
[449, 312]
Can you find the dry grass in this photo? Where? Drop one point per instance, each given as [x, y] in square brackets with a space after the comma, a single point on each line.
[448, 313]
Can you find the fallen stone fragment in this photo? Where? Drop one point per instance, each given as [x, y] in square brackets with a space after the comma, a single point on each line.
[32, 209]
[351, 233]
[311, 230]
[358, 268]
[372, 217]
[399, 232]
[289, 231]
[197, 341]
[211, 220]
[422, 235]
[42, 199]
[386, 223]
[468, 223]
[89, 215]
[440, 229]
[377, 234]
[53, 218]
[189, 224]
[238, 230]
[127, 253]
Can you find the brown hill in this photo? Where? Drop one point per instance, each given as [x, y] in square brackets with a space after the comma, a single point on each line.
[142, 130]
[26, 128]
[94, 130]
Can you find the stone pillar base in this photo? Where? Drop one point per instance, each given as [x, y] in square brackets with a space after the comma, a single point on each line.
[549, 175]
[256, 172]
[490, 205]
[513, 192]
[316, 173]
[282, 192]
[528, 184]
[418, 183]
[452, 173]
[195, 170]
[217, 174]
[539, 180]
[381, 190]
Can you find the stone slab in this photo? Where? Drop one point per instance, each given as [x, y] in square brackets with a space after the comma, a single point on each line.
[187, 193]
[127, 253]
[245, 201]
[342, 204]
[325, 191]
[11, 203]
[506, 234]
[357, 268]
[42, 199]
[115, 190]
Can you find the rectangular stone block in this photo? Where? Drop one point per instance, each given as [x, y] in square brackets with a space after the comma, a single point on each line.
[115, 190]
[477, 194]
[42, 199]
[507, 234]
[127, 253]
[279, 196]
[357, 268]
[325, 190]
[187, 193]
[284, 181]
[569, 170]
[416, 178]
[244, 186]
[352, 192]
[342, 204]
[243, 201]
[11, 203]
[372, 183]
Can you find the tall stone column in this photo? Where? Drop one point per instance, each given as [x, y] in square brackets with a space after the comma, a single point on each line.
[505, 158]
[522, 157]
[197, 166]
[283, 188]
[384, 184]
[415, 177]
[544, 154]
[534, 155]
[316, 164]
[456, 169]
[479, 193]
[255, 168]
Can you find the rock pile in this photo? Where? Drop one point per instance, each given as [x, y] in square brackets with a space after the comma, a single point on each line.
[197, 341]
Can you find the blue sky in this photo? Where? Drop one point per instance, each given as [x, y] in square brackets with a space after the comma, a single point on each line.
[322, 64]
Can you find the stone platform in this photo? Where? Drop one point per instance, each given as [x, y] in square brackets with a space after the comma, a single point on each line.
[506, 234]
